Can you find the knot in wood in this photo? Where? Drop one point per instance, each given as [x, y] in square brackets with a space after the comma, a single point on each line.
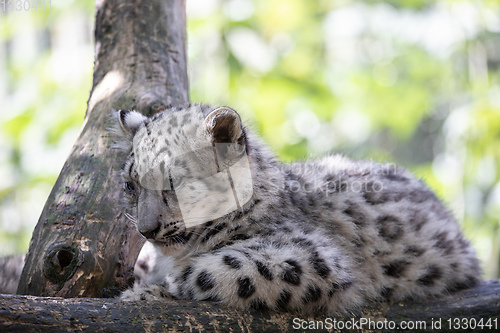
[61, 262]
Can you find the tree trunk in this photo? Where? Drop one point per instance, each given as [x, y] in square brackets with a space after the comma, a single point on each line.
[82, 245]
[36, 314]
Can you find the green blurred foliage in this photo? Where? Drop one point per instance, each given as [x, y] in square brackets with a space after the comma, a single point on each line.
[412, 82]
[46, 60]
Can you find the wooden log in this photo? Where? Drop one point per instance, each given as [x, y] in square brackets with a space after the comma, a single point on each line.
[51, 314]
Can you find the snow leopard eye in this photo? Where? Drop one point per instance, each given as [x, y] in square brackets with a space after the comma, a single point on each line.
[129, 188]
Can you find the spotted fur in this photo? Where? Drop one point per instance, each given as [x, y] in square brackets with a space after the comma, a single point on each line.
[331, 235]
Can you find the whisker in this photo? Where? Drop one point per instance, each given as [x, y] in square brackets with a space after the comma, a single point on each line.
[132, 219]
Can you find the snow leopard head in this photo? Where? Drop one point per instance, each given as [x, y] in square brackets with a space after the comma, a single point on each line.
[185, 166]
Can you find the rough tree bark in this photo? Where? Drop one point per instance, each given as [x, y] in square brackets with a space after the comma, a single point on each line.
[48, 314]
[82, 245]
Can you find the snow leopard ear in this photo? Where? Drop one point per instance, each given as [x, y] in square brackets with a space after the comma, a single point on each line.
[123, 126]
[130, 121]
[224, 125]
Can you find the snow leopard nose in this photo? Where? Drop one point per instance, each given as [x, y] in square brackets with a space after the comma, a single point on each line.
[151, 234]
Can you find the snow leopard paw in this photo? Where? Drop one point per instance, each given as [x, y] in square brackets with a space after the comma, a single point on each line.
[146, 293]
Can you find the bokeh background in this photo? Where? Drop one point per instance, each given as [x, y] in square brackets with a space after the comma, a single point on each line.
[412, 82]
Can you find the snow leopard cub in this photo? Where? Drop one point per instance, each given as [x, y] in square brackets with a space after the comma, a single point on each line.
[231, 224]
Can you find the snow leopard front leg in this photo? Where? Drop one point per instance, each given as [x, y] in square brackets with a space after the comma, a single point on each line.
[290, 276]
